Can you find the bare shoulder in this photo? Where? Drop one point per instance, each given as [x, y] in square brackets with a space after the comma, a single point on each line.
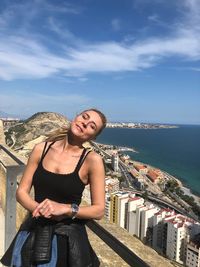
[94, 158]
[37, 150]
[38, 147]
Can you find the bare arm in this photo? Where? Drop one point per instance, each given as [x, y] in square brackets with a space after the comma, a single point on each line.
[97, 190]
[22, 194]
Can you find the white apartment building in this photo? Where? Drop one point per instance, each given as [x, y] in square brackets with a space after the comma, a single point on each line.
[147, 220]
[122, 210]
[193, 252]
[193, 256]
[176, 240]
[107, 206]
[138, 216]
[132, 220]
[115, 161]
[178, 231]
[118, 207]
[159, 239]
[111, 185]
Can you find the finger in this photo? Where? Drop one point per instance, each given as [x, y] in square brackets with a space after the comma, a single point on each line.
[45, 210]
[36, 214]
[47, 213]
[37, 209]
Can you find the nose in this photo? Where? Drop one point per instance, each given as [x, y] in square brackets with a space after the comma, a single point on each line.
[84, 124]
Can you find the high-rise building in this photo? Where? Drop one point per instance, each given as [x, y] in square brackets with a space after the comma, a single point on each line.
[147, 221]
[107, 206]
[132, 220]
[193, 252]
[118, 207]
[115, 161]
[179, 229]
[138, 216]
[159, 239]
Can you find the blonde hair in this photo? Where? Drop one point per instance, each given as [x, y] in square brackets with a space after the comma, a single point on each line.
[61, 133]
[57, 134]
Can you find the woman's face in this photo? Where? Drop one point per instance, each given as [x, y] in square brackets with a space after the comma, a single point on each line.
[86, 125]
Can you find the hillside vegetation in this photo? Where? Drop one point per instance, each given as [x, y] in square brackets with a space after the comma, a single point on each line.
[24, 135]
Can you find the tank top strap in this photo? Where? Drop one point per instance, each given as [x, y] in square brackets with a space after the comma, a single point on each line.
[45, 150]
[81, 160]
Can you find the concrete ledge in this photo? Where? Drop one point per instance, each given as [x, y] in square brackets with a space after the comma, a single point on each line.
[110, 259]
[2, 233]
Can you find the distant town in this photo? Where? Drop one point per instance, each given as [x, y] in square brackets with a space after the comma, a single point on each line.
[138, 125]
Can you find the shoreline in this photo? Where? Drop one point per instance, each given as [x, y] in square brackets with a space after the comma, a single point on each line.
[120, 148]
[131, 125]
[184, 187]
[187, 191]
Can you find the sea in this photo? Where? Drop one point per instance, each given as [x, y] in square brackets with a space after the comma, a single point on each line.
[174, 150]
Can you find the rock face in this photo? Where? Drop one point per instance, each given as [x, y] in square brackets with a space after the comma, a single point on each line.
[24, 135]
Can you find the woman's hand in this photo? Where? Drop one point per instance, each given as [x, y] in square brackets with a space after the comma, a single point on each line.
[52, 209]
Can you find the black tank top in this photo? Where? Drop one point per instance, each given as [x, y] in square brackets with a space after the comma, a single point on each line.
[62, 188]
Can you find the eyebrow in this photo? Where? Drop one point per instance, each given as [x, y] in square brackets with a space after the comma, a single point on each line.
[88, 116]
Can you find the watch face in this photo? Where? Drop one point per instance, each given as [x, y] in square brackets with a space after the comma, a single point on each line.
[75, 207]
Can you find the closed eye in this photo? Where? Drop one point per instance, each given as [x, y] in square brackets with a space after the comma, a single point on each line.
[93, 126]
[85, 116]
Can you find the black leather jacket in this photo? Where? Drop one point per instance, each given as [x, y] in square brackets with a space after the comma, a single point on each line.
[38, 245]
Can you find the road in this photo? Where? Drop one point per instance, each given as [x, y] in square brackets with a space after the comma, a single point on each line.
[128, 181]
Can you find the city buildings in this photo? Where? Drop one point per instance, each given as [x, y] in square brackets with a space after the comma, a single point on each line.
[172, 235]
[180, 229]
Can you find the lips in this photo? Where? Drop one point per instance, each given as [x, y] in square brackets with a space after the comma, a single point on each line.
[80, 129]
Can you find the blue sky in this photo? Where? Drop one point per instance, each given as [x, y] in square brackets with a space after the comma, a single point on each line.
[136, 60]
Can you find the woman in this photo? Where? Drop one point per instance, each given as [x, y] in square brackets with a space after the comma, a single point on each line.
[59, 169]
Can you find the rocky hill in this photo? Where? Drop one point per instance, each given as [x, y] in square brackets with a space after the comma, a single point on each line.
[24, 135]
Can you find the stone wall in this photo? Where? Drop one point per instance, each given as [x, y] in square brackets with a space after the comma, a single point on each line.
[2, 186]
[2, 136]
[20, 211]
[6, 161]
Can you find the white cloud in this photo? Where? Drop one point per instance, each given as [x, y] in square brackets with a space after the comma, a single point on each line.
[194, 69]
[153, 17]
[34, 101]
[116, 24]
[24, 56]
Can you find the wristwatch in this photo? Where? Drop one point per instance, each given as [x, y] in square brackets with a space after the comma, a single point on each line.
[75, 209]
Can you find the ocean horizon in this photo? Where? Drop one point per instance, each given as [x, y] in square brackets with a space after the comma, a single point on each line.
[175, 150]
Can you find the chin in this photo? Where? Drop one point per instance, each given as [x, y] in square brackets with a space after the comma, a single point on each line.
[75, 132]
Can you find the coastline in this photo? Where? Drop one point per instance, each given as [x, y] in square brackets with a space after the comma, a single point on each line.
[187, 191]
[120, 148]
[131, 125]
[165, 148]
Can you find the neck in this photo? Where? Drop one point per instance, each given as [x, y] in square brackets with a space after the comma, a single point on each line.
[69, 143]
